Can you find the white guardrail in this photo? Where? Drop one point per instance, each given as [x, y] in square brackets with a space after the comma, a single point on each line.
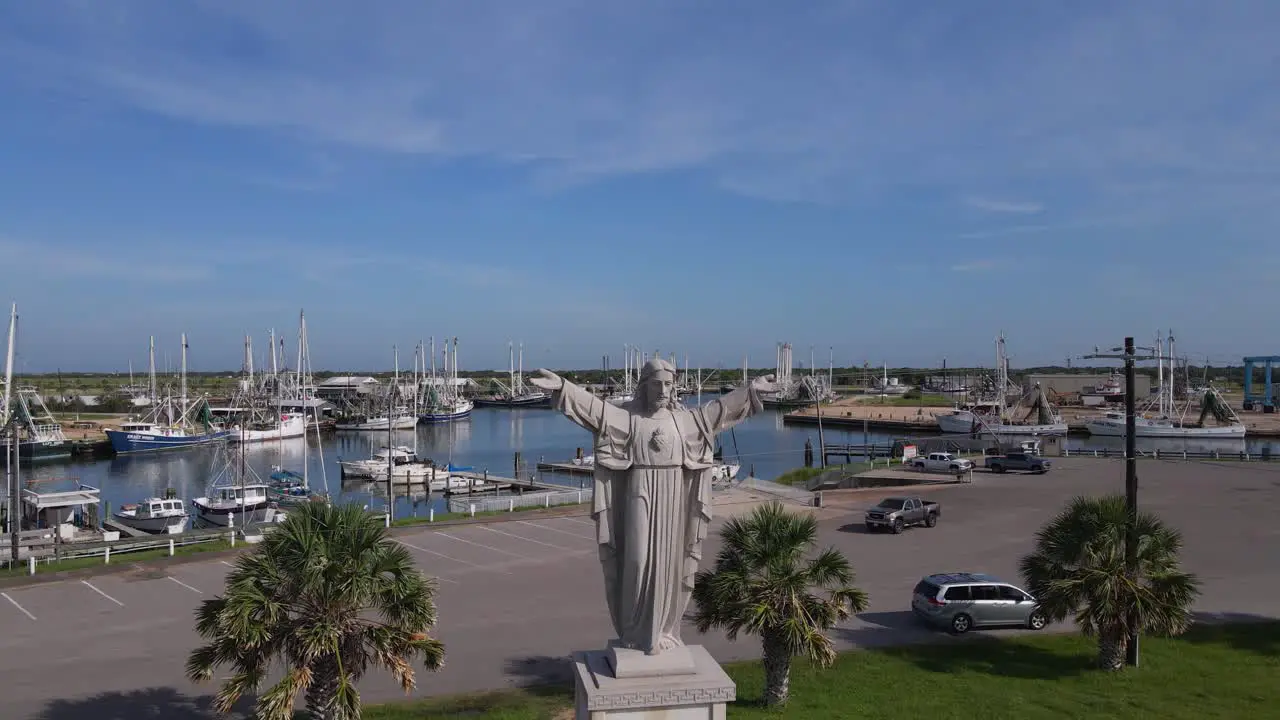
[123, 547]
[509, 503]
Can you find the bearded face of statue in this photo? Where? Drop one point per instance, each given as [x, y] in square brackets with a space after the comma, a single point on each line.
[659, 391]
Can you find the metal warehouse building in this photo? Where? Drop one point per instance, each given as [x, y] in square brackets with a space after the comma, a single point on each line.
[1068, 383]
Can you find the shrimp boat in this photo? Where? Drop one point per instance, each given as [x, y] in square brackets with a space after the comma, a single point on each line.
[1166, 420]
[437, 397]
[283, 427]
[164, 516]
[516, 393]
[398, 419]
[995, 418]
[169, 427]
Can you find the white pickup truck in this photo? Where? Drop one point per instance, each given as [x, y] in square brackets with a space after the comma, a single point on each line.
[942, 462]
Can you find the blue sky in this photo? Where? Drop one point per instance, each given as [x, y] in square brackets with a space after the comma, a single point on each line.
[898, 181]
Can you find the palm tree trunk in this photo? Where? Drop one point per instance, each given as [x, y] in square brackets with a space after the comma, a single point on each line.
[1112, 646]
[322, 696]
[777, 669]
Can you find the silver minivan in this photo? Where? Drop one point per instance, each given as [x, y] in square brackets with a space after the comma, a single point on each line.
[963, 601]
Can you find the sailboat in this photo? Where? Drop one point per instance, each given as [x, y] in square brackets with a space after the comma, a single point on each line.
[1168, 421]
[442, 401]
[516, 394]
[287, 486]
[994, 418]
[168, 427]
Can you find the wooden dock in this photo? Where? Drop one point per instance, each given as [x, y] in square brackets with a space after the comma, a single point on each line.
[566, 468]
[124, 530]
[497, 483]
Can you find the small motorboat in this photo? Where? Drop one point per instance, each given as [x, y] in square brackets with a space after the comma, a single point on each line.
[166, 516]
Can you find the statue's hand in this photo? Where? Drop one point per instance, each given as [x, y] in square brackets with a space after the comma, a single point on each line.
[547, 380]
[764, 384]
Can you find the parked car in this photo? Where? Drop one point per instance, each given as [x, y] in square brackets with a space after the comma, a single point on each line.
[1018, 461]
[896, 513]
[960, 602]
[942, 462]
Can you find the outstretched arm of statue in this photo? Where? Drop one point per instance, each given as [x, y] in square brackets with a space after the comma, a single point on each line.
[576, 403]
[732, 408]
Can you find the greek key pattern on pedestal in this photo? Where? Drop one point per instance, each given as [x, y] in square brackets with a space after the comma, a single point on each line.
[660, 698]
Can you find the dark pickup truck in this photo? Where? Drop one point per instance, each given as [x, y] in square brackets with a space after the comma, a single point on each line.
[1017, 461]
[895, 513]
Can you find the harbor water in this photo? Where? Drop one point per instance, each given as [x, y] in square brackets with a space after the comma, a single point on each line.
[486, 441]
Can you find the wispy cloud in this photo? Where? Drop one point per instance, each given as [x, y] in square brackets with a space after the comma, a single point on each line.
[1005, 232]
[876, 96]
[975, 266]
[49, 261]
[1003, 206]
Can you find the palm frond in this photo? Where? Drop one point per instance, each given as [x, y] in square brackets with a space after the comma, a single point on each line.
[327, 588]
[764, 584]
[1077, 568]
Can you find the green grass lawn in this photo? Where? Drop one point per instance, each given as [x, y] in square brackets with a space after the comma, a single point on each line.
[801, 475]
[116, 558]
[1212, 671]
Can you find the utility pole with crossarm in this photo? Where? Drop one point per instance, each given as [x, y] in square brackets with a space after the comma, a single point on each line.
[1129, 356]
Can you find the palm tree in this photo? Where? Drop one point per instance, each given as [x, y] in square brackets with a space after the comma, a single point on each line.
[1078, 568]
[329, 593]
[763, 584]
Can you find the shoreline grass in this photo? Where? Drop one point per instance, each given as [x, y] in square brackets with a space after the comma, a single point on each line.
[1219, 670]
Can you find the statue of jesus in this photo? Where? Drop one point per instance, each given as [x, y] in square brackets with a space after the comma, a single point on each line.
[652, 499]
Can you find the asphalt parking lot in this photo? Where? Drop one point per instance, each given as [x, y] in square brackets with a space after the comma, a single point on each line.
[517, 597]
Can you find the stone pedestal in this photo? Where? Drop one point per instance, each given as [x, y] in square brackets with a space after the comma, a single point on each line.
[681, 684]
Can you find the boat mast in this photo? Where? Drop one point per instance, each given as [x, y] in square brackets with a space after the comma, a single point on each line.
[151, 359]
[391, 496]
[1002, 377]
[520, 371]
[11, 457]
[511, 365]
[184, 375]
[1160, 371]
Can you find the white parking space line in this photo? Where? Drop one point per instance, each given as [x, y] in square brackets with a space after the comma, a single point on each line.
[486, 547]
[15, 604]
[579, 522]
[224, 562]
[95, 589]
[557, 530]
[525, 539]
[194, 590]
[448, 557]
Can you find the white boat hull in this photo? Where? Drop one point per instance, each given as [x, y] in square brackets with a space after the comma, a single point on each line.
[171, 525]
[407, 422]
[966, 423]
[219, 514]
[291, 427]
[1151, 429]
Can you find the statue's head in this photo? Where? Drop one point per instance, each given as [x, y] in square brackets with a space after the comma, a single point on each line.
[657, 385]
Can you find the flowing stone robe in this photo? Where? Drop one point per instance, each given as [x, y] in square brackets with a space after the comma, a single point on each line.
[652, 504]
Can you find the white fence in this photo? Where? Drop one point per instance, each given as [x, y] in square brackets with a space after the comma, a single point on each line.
[509, 503]
[117, 548]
